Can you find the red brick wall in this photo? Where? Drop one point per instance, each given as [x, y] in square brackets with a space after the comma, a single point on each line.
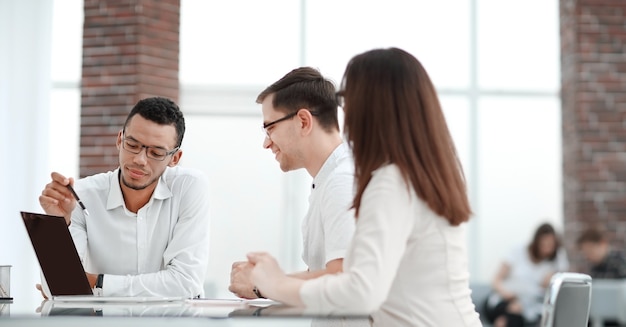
[593, 53]
[130, 51]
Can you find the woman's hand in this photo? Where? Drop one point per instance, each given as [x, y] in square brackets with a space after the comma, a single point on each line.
[266, 274]
[272, 282]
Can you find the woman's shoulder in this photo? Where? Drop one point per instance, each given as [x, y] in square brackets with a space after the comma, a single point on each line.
[388, 177]
[387, 171]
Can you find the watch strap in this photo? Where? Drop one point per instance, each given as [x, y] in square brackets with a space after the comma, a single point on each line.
[99, 281]
[257, 293]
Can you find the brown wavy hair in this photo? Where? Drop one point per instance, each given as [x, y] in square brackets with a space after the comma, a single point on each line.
[533, 248]
[393, 115]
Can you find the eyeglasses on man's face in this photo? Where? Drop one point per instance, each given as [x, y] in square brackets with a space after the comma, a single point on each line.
[266, 126]
[153, 152]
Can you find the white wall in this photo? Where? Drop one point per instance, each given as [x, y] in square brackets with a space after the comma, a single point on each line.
[24, 123]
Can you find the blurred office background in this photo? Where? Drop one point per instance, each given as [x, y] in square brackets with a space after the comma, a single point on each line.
[496, 64]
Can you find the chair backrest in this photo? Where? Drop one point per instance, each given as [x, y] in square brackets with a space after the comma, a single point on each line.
[608, 298]
[567, 301]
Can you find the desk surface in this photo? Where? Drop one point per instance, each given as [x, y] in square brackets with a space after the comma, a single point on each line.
[53, 313]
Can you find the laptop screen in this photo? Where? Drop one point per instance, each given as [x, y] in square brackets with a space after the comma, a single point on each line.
[57, 254]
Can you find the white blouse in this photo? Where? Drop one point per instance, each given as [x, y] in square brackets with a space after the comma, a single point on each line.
[406, 265]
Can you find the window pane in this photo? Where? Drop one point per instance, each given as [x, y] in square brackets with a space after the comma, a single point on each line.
[254, 205]
[64, 141]
[430, 30]
[67, 34]
[519, 151]
[518, 45]
[232, 43]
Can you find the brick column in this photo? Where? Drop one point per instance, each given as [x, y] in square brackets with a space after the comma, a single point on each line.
[130, 51]
[593, 63]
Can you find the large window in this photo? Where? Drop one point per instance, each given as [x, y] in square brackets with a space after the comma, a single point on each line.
[497, 74]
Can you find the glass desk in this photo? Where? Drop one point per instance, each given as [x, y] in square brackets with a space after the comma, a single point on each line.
[174, 313]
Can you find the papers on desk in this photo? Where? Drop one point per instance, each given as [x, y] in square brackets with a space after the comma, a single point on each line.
[216, 302]
[229, 307]
[115, 299]
[230, 302]
[261, 302]
[151, 306]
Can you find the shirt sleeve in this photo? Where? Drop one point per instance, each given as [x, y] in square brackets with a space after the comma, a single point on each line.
[185, 258]
[338, 218]
[561, 260]
[375, 253]
[78, 230]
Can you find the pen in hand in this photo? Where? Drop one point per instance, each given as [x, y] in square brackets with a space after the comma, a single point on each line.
[78, 199]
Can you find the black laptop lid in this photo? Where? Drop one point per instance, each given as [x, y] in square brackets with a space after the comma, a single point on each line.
[57, 254]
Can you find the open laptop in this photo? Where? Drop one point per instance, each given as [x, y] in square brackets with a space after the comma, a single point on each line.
[61, 265]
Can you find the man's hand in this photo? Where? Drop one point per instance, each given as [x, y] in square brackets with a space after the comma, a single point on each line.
[40, 288]
[240, 283]
[56, 199]
[92, 278]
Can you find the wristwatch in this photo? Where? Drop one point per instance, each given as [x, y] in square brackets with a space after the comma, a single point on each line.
[97, 290]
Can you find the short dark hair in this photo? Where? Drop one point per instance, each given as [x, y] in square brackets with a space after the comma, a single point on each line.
[162, 111]
[305, 87]
[591, 235]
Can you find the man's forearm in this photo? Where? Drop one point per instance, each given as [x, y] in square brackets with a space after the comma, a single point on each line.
[309, 274]
[332, 267]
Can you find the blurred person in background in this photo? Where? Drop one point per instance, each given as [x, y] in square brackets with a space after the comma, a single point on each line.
[520, 283]
[606, 263]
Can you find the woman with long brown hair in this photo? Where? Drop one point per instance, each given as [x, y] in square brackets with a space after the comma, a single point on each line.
[407, 264]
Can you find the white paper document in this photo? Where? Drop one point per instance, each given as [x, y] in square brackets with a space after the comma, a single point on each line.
[114, 299]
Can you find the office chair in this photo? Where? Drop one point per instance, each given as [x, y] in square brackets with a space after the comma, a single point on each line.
[567, 301]
[608, 300]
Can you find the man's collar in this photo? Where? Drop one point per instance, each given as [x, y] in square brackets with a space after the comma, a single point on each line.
[116, 197]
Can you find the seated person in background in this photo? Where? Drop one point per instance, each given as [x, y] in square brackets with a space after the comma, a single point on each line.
[606, 262]
[147, 232]
[520, 283]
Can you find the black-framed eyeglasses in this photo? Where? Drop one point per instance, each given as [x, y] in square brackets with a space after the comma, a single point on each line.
[153, 152]
[339, 98]
[272, 123]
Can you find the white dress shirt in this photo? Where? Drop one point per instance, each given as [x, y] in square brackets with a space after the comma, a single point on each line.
[162, 250]
[406, 265]
[328, 226]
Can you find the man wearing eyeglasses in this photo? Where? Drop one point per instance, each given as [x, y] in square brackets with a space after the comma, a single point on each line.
[301, 129]
[147, 226]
